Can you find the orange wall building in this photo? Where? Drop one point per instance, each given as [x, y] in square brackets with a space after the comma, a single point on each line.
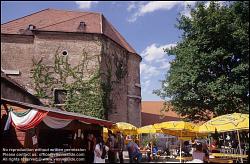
[151, 113]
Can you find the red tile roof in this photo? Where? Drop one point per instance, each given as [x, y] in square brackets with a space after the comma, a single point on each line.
[66, 21]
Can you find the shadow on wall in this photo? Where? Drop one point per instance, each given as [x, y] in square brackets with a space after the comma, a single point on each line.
[149, 119]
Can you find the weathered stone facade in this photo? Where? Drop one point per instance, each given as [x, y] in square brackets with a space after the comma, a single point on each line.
[18, 51]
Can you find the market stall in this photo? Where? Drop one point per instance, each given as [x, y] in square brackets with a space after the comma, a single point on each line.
[33, 126]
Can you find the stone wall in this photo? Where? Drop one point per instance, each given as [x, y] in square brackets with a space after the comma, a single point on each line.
[134, 90]
[110, 54]
[18, 51]
[19, 55]
[126, 94]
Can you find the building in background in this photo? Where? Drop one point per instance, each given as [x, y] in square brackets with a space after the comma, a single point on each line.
[39, 35]
[151, 113]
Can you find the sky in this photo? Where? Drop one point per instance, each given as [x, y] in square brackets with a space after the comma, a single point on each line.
[148, 26]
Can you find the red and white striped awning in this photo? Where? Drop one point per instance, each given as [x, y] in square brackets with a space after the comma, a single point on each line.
[53, 117]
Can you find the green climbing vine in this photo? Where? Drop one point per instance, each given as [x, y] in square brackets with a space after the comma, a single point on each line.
[88, 91]
[121, 67]
[44, 82]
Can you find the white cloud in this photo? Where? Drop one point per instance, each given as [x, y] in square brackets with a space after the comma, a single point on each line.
[85, 4]
[131, 5]
[155, 64]
[135, 4]
[148, 71]
[155, 53]
[146, 83]
[155, 59]
[221, 3]
[152, 6]
[157, 5]
[165, 65]
[146, 86]
[187, 10]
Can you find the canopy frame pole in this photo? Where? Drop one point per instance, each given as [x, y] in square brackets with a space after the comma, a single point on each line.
[241, 159]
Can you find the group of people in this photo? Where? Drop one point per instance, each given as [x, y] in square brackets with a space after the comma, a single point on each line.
[97, 149]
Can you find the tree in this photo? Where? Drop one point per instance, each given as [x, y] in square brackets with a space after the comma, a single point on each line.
[210, 69]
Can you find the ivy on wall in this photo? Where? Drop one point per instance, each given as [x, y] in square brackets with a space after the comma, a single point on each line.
[87, 92]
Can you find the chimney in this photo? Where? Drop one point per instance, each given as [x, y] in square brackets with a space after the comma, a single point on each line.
[82, 25]
[31, 27]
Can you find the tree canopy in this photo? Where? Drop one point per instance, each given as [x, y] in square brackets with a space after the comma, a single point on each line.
[211, 66]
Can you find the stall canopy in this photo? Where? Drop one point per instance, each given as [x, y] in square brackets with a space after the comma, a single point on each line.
[52, 117]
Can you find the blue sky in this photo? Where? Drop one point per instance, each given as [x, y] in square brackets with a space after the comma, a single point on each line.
[149, 26]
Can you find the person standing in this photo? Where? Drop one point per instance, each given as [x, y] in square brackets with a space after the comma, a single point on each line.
[90, 149]
[134, 152]
[149, 151]
[111, 145]
[193, 145]
[100, 151]
[120, 145]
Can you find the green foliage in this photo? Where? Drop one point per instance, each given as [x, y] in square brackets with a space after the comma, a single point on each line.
[210, 70]
[84, 95]
[42, 83]
[107, 89]
[121, 67]
[149, 138]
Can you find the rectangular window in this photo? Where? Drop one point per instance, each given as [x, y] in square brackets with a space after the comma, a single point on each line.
[59, 96]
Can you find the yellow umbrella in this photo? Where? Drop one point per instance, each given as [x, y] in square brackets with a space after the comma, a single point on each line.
[105, 134]
[125, 128]
[178, 128]
[148, 129]
[225, 123]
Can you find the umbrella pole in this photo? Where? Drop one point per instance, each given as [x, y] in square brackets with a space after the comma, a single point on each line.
[239, 145]
[224, 142]
[209, 142]
[180, 147]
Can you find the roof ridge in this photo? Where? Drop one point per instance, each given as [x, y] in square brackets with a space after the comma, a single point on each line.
[119, 35]
[153, 101]
[65, 20]
[75, 11]
[26, 16]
